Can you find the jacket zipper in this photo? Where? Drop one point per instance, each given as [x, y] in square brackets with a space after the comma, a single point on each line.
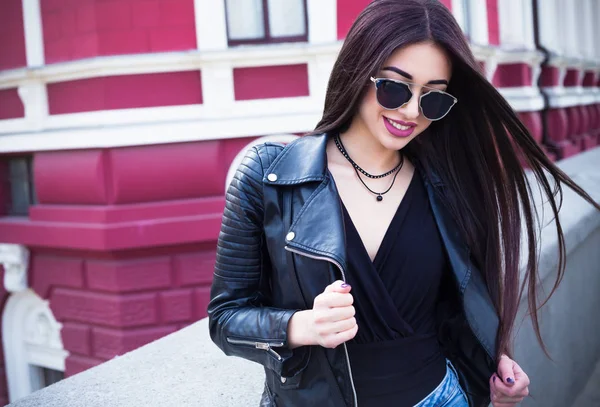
[339, 266]
[258, 345]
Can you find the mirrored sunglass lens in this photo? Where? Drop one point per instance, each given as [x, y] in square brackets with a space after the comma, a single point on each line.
[435, 105]
[392, 95]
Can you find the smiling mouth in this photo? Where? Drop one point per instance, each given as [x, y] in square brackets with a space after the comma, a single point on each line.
[398, 125]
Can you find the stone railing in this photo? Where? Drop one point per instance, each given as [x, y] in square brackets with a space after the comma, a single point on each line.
[187, 369]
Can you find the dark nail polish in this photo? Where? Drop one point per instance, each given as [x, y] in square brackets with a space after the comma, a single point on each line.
[510, 380]
[344, 285]
[494, 379]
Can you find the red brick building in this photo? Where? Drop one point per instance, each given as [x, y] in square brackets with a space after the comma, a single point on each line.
[122, 120]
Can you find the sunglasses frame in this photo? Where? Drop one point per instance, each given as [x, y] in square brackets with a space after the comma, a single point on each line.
[408, 84]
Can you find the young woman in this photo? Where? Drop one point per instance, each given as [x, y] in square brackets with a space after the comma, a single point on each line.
[375, 261]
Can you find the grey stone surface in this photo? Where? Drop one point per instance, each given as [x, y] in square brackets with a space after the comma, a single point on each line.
[182, 369]
[590, 396]
[187, 369]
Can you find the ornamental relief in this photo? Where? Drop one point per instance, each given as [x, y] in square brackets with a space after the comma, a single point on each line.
[15, 260]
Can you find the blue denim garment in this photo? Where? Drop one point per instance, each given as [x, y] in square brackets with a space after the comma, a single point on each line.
[448, 393]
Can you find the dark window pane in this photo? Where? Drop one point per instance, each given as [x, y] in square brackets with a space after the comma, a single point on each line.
[20, 176]
[52, 376]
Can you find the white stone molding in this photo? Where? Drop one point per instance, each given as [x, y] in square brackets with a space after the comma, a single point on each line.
[15, 261]
[178, 61]
[220, 116]
[523, 99]
[211, 25]
[31, 341]
[34, 37]
[218, 90]
[35, 100]
[322, 21]
[42, 339]
[279, 138]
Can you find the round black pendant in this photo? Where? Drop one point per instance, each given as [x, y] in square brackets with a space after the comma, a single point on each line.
[379, 198]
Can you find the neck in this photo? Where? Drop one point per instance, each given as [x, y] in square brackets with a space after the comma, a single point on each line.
[367, 151]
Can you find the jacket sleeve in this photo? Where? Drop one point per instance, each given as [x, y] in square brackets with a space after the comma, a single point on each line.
[242, 322]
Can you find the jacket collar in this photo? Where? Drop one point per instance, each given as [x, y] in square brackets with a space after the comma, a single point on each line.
[303, 160]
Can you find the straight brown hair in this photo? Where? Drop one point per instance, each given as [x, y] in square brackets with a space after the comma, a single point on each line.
[479, 150]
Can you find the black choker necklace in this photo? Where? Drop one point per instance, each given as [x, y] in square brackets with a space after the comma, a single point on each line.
[396, 169]
[340, 146]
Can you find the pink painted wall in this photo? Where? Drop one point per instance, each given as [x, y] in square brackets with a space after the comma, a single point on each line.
[83, 29]
[512, 75]
[11, 106]
[572, 78]
[270, 82]
[125, 91]
[347, 11]
[123, 241]
[12, 35]
[550, 76]
[493, 22]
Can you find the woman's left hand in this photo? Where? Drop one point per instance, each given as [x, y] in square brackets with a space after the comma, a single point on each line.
[511, 386]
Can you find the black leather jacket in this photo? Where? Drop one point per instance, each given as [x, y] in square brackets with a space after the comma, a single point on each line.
[282, 242]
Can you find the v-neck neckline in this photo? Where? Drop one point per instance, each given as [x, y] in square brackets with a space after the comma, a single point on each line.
[376, 260]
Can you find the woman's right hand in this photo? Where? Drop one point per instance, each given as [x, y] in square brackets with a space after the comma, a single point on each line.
[329, 323]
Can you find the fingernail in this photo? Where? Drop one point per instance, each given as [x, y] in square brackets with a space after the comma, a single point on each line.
[494, 380]
[344, 285]
[509, 380]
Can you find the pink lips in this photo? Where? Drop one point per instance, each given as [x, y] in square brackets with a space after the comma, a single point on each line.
[397, 132]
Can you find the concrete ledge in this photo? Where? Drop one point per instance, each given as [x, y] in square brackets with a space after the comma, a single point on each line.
[182, 369]
[187, 369]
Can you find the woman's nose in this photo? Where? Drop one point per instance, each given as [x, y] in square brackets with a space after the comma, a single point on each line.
[411, 109]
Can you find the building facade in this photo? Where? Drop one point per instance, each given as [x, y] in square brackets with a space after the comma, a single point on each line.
[121, 122]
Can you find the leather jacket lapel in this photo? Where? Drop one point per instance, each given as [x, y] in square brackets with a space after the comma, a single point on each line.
[319, 227]
[473, 289]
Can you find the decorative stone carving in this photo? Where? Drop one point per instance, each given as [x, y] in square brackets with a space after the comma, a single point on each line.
[42, 329]
[15, 260]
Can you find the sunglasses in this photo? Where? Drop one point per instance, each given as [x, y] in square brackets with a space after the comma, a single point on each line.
[393, 94]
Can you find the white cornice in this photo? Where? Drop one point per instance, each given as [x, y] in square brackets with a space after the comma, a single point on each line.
[275, 54]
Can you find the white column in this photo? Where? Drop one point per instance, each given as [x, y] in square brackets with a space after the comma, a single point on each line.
[587, 30]
[322, 21]
[34, 36]
[528, 27]
[459, 10]
[217, 88]
[471, 15]
[510, 14]
[547, 15]
[34, 97]
[211, 26]
[596, 18]
[478, 20]
[570, 37]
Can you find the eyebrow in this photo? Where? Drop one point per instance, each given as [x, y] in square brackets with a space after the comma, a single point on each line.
[409, 76]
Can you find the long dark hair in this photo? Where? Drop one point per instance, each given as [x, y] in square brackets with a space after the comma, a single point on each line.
[479, 150]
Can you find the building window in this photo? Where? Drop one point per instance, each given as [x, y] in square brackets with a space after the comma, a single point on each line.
[266, 21]
[51, 376]
[20, 179]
